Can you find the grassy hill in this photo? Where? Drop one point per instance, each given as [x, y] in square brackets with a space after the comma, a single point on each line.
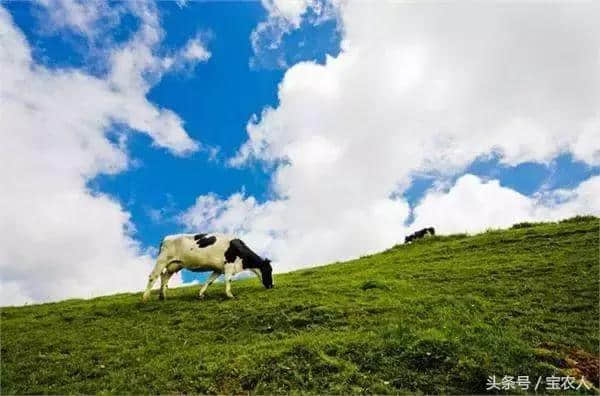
[439, 315]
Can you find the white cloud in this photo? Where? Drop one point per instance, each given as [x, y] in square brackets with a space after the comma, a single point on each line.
[439, 76]
[289, 10]
[302, 238]
[195, 51]
[181, 3]
[86, 18]
[58, 238]
[284, 16]
[417, 88]
[192, 53]
[319, 235]
[586, 146]
[473, 205]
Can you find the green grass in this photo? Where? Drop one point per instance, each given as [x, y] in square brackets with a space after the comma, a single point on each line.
[436, 316]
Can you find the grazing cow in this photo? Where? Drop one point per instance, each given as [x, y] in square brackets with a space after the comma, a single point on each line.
[219, 253]
[419, 234]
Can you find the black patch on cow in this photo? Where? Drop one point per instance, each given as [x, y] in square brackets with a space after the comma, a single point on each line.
[196, 269]
[237, 248]
[202, 241]
[419, 234]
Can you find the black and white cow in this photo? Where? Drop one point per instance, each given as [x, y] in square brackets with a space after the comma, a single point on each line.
[419, 234]
[219, 253]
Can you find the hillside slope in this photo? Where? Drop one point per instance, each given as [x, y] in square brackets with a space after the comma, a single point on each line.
[440, 315]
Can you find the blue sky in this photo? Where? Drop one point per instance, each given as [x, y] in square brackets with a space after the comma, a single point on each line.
[231, 92]
[216, 99]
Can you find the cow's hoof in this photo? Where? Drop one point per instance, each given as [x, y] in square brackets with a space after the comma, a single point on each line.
[161, 296]
[201, 296]
[231, 297]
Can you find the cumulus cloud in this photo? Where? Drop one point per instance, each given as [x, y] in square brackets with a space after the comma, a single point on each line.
[473, 205]
[469, 79]
[417, 88]
[311, 235]
[59, 239]
[586, 145]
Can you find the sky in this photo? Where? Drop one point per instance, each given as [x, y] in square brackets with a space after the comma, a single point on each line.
[315, 130]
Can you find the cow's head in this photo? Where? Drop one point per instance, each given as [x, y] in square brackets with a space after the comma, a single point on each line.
[267, 273]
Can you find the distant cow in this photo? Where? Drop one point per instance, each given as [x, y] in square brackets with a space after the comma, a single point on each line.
[419, 234]
[219, 253]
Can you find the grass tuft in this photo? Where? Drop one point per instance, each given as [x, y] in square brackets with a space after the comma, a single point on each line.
[374, 284]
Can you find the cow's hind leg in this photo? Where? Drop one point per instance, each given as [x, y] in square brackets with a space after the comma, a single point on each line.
[161, 263]
[208, 282]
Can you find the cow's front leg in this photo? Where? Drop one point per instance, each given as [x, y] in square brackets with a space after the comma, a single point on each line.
[161, 263]
[171, 269]
[208, 282]
[229, 268]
